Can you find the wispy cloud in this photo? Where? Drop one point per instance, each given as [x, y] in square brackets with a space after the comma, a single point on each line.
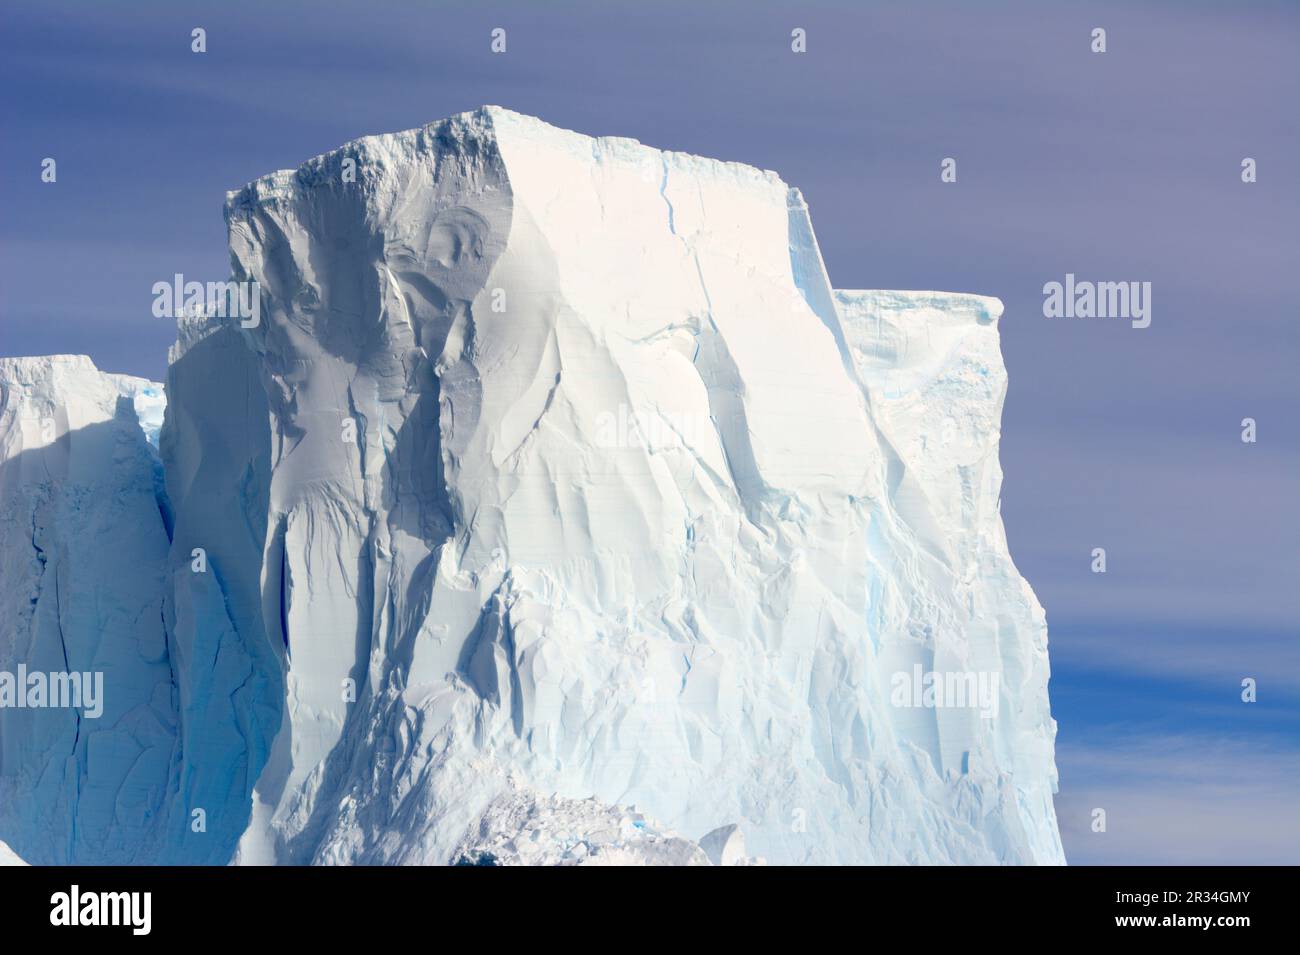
[1181, 800]
[1207, 657]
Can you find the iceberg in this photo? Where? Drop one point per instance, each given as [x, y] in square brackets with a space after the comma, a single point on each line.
[554, 478]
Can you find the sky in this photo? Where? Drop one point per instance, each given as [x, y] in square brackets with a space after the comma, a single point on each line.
[1115, 166]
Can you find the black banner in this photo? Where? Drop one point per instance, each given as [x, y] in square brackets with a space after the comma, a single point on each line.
[233, 905]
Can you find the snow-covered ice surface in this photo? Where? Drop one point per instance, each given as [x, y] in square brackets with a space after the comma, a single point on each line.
[555, 479]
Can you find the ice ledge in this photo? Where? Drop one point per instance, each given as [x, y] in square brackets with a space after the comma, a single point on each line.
[967, 306]
[34, 387]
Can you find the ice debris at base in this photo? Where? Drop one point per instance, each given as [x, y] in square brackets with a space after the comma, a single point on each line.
[554, 465]
[9, 857]
[524, 828]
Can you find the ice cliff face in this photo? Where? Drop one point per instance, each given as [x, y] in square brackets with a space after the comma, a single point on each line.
[81, 591]
[555, 479]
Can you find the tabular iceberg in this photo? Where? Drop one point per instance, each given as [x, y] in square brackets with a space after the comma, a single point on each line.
[554, 480]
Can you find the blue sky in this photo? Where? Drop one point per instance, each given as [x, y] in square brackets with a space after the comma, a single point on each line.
[1116, 166]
